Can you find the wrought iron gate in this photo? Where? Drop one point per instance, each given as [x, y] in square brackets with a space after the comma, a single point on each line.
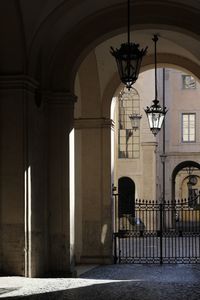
[157, 233]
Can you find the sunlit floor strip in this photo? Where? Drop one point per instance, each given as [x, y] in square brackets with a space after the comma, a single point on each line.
[111, 282]
[17, 286]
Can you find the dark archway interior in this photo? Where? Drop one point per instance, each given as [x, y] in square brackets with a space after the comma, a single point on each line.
[126, 188]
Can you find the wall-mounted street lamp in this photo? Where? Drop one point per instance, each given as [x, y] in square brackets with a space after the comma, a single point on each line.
[155, 113]
[128, 58]
[135, 121]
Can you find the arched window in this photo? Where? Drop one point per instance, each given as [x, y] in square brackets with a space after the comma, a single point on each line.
[128, 139]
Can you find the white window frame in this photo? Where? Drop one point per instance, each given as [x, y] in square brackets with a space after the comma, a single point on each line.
[191, 85]
[189, 128]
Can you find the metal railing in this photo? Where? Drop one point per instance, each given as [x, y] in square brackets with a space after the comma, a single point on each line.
[156, 232]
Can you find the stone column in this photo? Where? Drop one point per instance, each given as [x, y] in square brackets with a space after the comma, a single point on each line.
[93, 190]
[60, 124]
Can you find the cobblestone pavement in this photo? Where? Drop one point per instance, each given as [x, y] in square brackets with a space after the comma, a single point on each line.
[134, 282]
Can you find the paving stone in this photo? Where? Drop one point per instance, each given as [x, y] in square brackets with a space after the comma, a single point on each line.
[124, 282]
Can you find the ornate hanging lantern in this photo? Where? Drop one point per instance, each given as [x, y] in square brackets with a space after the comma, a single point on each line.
[155, 113]
[128, 58]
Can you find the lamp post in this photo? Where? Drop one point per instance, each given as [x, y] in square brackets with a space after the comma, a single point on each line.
[163, 156]
[128, 58]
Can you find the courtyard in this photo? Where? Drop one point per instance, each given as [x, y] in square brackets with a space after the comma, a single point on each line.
[134, 282]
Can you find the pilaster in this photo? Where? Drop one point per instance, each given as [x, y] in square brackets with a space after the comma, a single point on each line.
[60, 108]
[15, 92]
[93, 185]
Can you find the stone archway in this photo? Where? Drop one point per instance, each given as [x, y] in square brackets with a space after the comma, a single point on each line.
[178, 168]
[51, 39]
[61, 65]
[55, 61]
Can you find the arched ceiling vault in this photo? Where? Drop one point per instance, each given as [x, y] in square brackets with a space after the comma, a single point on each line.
[169, 52]
[57, 34]
[183, 32]
[114, 85]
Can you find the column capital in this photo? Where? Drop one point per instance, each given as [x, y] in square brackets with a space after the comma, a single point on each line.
[18, 82]
[59, 98]
[90, 123]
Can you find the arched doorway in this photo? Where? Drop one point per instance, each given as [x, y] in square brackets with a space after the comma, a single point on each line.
[92, 119]
[126, 204]
[190, 169]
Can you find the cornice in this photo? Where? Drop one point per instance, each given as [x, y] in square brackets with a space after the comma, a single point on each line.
[58, 98]
[18, 82]
[89, 123]
[149, 144]
[182, 154]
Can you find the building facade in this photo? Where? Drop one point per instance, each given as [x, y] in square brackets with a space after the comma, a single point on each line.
[139, 155]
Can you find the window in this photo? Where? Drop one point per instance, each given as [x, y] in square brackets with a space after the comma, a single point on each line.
[188, 82]
[188, 127]
[128, 139]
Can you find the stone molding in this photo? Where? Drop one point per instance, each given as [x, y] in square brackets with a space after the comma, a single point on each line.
[90, 123]
[149, 144]
[182, 154]
[58, 98]
[18, 83]
[26, 83]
